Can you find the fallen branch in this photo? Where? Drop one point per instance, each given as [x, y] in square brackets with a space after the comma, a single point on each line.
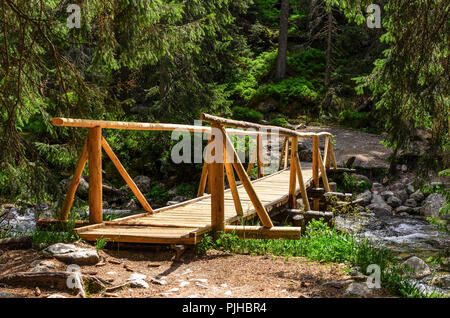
[16, 243]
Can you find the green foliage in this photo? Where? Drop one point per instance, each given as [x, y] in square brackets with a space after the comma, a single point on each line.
[158, 195]
[42, 239]
[101, 243]
[289, 90]
[281, 121]
[246, 114]
[355, 119]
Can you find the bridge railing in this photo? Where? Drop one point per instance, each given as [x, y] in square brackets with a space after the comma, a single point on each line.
[213, 171]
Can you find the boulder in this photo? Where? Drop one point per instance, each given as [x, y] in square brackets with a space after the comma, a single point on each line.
[70, 254]
[136, 280]
[377, 199]
[305, 155]
[394, 202]
[417, 196]
[402, 209]
[432, 204]
[366, 196]
[6, 295]
[416, 267]
[143, 183]
[386, 195]
[410, 203]
[377, 187]
[402, 195]
[441, 281]
[357, 290]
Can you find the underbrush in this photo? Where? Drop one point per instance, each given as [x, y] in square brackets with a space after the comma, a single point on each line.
[322, 244]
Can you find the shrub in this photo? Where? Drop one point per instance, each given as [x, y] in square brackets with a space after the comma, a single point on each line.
[246, 114]
[281, 122]
[289, 90]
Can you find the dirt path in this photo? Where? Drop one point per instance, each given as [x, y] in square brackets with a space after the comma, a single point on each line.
[215, 274]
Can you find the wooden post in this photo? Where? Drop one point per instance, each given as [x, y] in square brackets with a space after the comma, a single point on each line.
[323, 172]
[292, 176]
[204, 177]
[257, 204]
[253, 159]
[282, 153]
[298, 169]
[260, 156]
[326, 153]
[68, 201]
[227, 158]
[95, 175]
[333, 158]
[216, 180]
[315, 168]
[286, 154]
[126, 176]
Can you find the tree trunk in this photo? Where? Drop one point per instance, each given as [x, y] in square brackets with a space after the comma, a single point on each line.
[329, 49]
[282, 41]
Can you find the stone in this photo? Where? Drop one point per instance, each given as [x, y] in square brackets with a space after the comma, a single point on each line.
[366, 196]
[416, 267]
[377, 187]
[402, 195]
[44, 263]
[56, 296]
[386, 194]
[410, 203]
[441, 281]
[40, 269]
[143, 183]
[404, 168]
[378, 199]
[305, 155]
[417, 196]
[446, 264]
[383, 210]
[179, 198]
[394, 202]
[338, 283]
[6, 295]
[136, 276]
[139, 283]
[158, 281]
[432, 204]
[410, 188]
[402, 209]
[397, 186]
[70, 254]
[357, 290]
[131, 205]
[361, 177]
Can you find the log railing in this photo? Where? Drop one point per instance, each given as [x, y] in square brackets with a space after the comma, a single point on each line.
[213, 172]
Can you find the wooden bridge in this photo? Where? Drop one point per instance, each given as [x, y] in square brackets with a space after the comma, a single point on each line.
[221, 210]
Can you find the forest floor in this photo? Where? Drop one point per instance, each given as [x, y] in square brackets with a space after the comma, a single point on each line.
[214, 275]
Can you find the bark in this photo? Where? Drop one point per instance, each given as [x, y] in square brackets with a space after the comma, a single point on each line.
[329, 48]
[282, 41]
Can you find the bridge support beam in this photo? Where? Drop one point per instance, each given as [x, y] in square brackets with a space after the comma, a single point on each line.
[216, 180]
[95, 175]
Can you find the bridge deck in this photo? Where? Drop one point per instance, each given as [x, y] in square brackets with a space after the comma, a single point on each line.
[186, 222]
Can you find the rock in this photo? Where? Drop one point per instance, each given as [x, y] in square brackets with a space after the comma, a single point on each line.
[432, 204]
[402, 209]
[6, 295]
[417, 196]
[157, 281]
[402, 195]
[131, 205]
[404, 168]
[338, 283]
[386, 194]
[39, 269]
[361, 177]
[357, 290]
[415, 211]
[56, 296]
[441, 281]
[410, 203]
[397, 186]
[44, 263]
[70, 254]
[179, 198]
[436, 184]
[376, 198]
[139, 109]
[137, 276]
[416, 267]
[383, 210]
[139, 283]
[305, 155]
[333, 186]
[83, 188]
[394, 202]
[366, 196]
[446, 264]
[143, 183]
[410, 188]
[377, 187]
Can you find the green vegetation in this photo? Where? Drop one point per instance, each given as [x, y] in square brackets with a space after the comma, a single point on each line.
[322, 244]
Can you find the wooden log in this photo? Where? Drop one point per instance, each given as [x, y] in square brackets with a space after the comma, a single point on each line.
[269, 129]
[339, 195]
[233, 188]
[216, 179]
[298, 169]
[68, 201]
[95, 175]
[282, 153]
[326, 152]
[315, 168]
[260, 232]
[286, 154]
[203, 179]
[292, 175]
[16, 243]
[323, 172]
[340, 170]
[257, 204]
[123, 172]
[252, 162]
[260, 156]
[316, 193]
[333, 158]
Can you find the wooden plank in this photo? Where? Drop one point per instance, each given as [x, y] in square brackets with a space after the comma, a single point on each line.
[282, 153]
[216, 178]
[95, 175]
[292, 176]
[68, 201]
[298, 169]
[323, 173]
[315, 168]
[326, 152]
[233, 188]
[260, 156]
[260, 232]
[123, 172]
[203, 178]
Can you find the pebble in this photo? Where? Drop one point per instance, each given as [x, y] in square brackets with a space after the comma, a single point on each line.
[182, 284]
[173, 290]
[201, 285]
[228, 293]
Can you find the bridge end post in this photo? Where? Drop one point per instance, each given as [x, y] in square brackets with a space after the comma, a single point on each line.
[95, 175]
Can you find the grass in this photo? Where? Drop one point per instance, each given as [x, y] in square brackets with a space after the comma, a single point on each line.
[323, 244]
